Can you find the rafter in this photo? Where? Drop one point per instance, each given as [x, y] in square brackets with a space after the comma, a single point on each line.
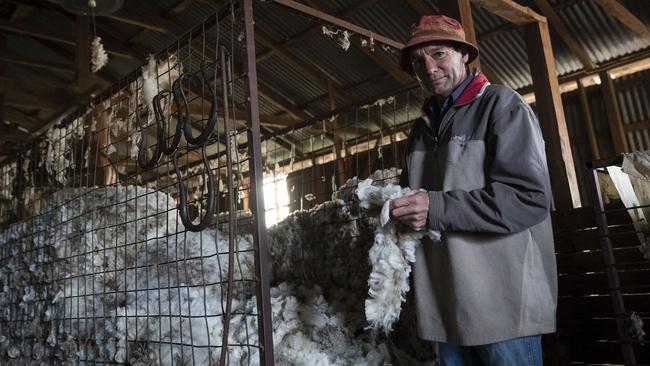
[316, 29]
[297, 64]
[377, 56]
[82, 52]
[510, 11]
[38, 32]
[565, 34]
[618, 11]
[32, 62]
[31, 99]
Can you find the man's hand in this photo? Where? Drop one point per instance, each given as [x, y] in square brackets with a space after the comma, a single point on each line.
[411, 210]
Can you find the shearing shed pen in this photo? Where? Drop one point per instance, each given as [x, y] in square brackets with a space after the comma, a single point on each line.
[216, 182]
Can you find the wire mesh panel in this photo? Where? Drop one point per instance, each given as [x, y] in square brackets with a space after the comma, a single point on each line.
[126, 230]
[320, 235]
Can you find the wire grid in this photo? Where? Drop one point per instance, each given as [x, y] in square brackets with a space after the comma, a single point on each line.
[98, 267]
[324, 159]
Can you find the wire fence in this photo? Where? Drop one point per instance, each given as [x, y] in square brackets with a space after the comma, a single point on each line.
[130, 233]
[126, 228]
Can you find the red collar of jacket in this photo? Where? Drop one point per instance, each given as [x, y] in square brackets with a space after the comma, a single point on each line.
[472, 90]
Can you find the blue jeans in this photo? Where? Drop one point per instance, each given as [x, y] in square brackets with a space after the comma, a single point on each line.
[524, 351]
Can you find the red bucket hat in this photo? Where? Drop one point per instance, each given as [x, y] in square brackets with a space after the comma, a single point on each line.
[431, 28]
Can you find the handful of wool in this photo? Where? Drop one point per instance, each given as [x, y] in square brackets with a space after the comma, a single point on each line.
[391, 256]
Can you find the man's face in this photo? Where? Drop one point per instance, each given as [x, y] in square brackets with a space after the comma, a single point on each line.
[439, 68]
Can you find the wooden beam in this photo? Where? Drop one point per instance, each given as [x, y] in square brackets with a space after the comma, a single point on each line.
[423, 7]
[618, 11]
[589, 125]
[551, 117]
[338, 146]
[48, 65]
[376, 55]
[637, 126]
[82, 52]
[20, 118]
[59, 36]
[282, 102]
[316, 29]
[298, 65]
[33, 100]
[461, 10]
[565, 34]
[138, 21]
[339, 22]
[510, 11]
[613, 113]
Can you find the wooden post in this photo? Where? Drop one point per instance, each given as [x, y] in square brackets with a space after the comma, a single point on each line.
[613, 113]
[589, 125]
[462, 11]
[551, 117]
[340, 163]
[82, 52]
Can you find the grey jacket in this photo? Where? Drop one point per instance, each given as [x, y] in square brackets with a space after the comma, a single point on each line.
[494, 276]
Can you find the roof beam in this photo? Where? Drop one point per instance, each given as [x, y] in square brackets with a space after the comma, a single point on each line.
[564, 33]
[316, 29]
[48, 65]
[510, 11]
[618, 11]
[138, 21]
[55, 35]
[31, 99]
[301, 66]
[613, 113]
[82, 52]
[375, 55]
[339, 22]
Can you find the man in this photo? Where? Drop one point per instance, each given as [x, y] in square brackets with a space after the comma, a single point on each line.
[488, 291]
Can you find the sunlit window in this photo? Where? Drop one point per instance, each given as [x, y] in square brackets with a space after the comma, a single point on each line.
[276, 198]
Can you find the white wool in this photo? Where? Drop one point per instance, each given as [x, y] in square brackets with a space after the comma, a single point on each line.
[149, 81]
[391, 256]
[98, 57]
[106, 243]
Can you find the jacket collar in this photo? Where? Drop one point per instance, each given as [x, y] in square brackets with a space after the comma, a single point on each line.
[473, 90]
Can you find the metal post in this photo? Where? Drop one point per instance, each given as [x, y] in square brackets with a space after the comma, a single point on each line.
[610, 270]
[257, 194]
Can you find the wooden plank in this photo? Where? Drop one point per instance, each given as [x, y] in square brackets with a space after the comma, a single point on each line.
[510, 11]
[340, 22]
[564, 183]
[376, 55]
[618, 11]
[340, 161]
[601, 306]
[82, 52]
[629, 258]
[637, 126]
[461, 10]
[632, 282]
[299, 65]
[589, 124]
[56, 35]
[613, 113]
[565, 34]
[31, 62]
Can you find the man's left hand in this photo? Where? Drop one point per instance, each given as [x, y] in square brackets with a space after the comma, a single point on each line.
[411, 210]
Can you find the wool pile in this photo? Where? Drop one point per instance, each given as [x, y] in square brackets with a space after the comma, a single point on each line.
[110, 275]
